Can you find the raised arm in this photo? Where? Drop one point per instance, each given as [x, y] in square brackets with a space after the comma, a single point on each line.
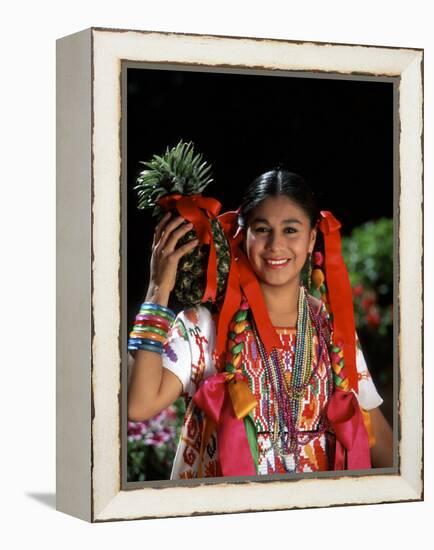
[152, 388]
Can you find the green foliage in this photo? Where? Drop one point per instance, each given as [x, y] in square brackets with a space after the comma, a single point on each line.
[368, 254]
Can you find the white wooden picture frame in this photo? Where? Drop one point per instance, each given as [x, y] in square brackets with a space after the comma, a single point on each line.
[91, 370]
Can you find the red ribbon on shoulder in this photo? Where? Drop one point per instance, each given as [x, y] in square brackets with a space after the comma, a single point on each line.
[241, 279]
[340, 294]
[193, 208]
[352, 442]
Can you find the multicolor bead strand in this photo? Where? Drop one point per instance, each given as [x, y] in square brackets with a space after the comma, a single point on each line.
[302, 367]
[303, 346]
[318, 287]
[283, 411]
[323, 346]
[338, 367]
[278, 413]
[287, 397]
[339, 377]
[151, 327]
[309, 269]
[236, 337]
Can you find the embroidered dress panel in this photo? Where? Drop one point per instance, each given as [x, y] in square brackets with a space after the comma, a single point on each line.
[189, 354]
[314, 447]
[314, 397]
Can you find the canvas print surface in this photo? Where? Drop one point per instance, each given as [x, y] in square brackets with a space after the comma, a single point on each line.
[268, 348]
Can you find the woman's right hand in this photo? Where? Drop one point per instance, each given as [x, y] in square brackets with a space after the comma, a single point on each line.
[165, 256]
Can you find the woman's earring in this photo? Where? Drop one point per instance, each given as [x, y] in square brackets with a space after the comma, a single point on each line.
[309, 270]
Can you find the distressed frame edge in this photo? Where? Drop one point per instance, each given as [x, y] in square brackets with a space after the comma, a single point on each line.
[411, 170]
[73, 370]
[416, 494]
[251, 38]
[112, 512]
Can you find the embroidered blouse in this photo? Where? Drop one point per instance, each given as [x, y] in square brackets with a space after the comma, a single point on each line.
[189, 354]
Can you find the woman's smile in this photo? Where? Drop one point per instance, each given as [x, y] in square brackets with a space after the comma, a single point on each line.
[279, 237]
[276, 263]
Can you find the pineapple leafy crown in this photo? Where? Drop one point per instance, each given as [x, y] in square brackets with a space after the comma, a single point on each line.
[179, 170]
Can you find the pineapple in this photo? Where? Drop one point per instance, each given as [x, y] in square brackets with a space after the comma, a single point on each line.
[181, 170]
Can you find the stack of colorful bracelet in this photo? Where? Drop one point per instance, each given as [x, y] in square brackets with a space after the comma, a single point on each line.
[151, 327]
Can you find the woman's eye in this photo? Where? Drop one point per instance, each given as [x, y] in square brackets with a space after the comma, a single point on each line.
[264, 229]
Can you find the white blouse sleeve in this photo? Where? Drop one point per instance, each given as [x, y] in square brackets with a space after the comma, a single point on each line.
[176, 354]
[187, 351]
[367, 394]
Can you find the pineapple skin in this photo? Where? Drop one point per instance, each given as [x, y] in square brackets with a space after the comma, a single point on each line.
[191, 276]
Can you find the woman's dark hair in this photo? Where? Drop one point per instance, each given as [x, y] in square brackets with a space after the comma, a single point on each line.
[273, 184]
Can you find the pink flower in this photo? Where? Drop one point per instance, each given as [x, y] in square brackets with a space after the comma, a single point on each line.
[317, 259]
[157, 430]
[358, 290]
[369, 300]
[373, 317]
[137, 428]
[158, 438]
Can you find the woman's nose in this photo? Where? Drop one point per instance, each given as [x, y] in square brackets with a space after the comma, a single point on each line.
[275, 240]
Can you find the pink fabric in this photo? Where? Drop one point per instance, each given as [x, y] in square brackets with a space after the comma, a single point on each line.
[235, 455]
[352, 443]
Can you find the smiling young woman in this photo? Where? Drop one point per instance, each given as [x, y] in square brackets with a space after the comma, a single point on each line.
[278, 240]
[286, 407]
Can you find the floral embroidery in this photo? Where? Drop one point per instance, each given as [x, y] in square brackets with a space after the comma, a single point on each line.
[170, 352]
[197, 368]
[182, 331]
[315, 448]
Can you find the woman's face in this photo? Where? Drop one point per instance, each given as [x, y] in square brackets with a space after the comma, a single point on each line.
[277, 241]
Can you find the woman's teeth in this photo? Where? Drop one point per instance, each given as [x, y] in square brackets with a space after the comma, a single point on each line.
[277, 263]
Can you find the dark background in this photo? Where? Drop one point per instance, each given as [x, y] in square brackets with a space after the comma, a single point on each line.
[338, 134]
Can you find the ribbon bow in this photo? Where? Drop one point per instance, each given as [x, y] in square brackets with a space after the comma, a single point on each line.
[226, 399]
[192, 207]
[352, 443]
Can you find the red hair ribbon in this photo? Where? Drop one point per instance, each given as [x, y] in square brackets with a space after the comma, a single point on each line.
[192, 207]
[340, 295]
[241, 278]
[232, 300]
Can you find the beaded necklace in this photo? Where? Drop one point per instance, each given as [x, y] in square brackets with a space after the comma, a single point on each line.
[284, 412]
